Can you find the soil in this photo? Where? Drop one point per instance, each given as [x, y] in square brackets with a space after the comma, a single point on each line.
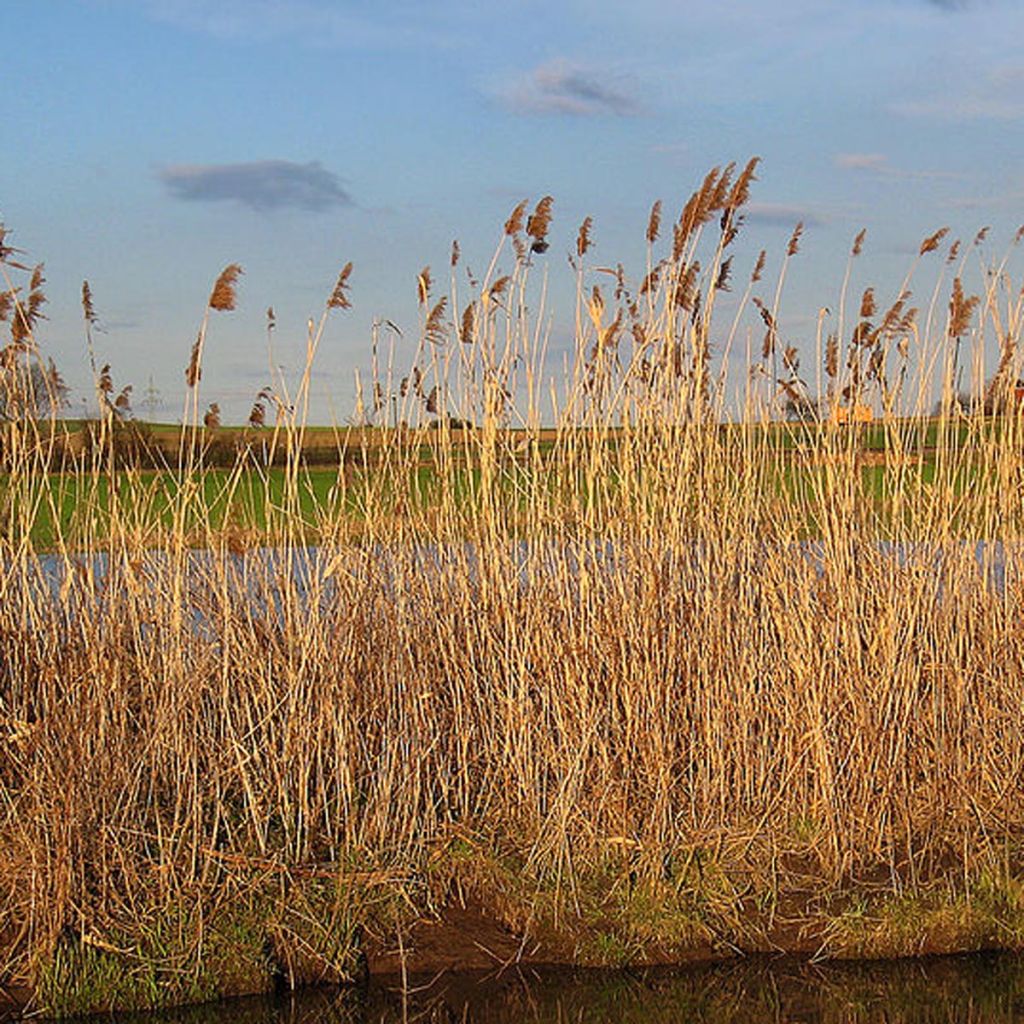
[467, 937]
[463, 937]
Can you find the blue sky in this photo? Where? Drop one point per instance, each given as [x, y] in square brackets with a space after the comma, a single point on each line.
[147, 143]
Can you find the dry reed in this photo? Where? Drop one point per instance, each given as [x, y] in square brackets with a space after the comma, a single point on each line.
[639, 651]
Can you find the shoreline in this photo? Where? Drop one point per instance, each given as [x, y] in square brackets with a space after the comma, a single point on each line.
[466, 936]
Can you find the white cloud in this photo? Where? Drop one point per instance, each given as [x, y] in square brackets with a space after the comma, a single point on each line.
[862, 161]
[996, 94]
[878, 165]
[562, 87]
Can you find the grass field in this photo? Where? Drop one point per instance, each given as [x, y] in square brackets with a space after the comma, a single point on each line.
[580, 677]
[243, 502]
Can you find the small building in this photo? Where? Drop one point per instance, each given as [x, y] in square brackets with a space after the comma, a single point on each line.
[852, 414]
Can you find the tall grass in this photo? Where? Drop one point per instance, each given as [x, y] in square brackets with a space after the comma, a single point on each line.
[619, 669]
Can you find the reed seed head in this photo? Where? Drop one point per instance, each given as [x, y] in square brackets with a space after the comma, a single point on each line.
[423, 283]
[123, 402]
[499, 287]
[539, 221]
[28, 312]
[686, 286]
[583, 242]
[724, 272]
[467, 328]
[435, 326]
[339, 298]
[258, 413]
[931, 243]
[7, 251]
[762, 257]
[514, 224]
[961, 309]
[794, 240]
[654, 222]
[832, 356]
[87, 307]
[194, 372]
[224, 294]
[740, 194]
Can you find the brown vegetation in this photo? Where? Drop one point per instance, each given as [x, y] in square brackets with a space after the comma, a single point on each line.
[608, 692]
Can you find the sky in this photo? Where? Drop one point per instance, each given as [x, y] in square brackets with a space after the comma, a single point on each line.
[146, 144]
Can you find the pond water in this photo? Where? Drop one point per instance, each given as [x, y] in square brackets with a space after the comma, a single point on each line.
[970, 989]
[261, 573]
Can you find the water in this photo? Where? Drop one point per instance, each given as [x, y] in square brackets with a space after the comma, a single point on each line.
[974, 989]
[996, 565]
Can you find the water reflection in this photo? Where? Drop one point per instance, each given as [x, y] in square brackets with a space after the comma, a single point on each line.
[966, 989]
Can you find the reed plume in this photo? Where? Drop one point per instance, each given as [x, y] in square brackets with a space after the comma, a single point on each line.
[194, 371]
[583, 242]
[211, 419]
[793, 246]
[540, 220]
[740, 194]
[466, 331]
[224, 294]
[654, 222]
[423, 283]
[931, 243]
[434, 328]
[724, 273]
[832, 356]
[339, 298]
[514, 224]
[88, 311]
[961, 309]
[755, 276]
[28, 313]
[258, 412]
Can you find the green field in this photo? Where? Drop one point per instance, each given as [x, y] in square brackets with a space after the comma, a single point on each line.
[370, 482]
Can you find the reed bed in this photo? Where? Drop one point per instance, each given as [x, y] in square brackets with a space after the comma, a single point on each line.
[651, 686]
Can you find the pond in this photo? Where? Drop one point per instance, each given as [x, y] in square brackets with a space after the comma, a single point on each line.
[971, 989]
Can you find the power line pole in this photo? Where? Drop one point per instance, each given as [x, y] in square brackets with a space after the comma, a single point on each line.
[151, 399]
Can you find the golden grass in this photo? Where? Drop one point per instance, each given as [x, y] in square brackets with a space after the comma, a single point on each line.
[617, 664]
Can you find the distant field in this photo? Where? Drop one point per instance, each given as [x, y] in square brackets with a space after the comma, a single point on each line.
[320, 441]
[319, 499]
